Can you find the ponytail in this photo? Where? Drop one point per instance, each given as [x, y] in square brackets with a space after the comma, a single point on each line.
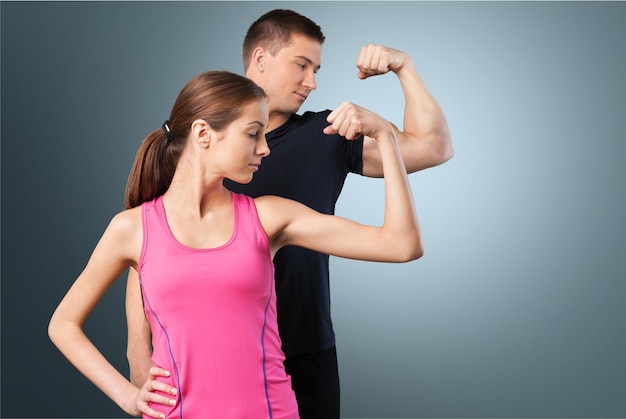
[153, 168]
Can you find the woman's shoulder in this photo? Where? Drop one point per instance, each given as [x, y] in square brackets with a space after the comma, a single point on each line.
[275, 211]
[271, 210]
[270, 202]
[127, 221]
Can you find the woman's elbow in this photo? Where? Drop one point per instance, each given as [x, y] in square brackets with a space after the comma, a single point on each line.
[54, 330]
[416, 253]
[58, 329]
[411, 251]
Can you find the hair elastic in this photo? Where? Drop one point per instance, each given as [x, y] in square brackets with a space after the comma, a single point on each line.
[169, 134]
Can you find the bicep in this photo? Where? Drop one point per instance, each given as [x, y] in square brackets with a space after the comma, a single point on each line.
[116, 251]
[417, 154]
[330, 234]
[336, 236]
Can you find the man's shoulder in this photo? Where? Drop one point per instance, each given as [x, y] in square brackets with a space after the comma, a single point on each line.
[306, 123]
[310, 116]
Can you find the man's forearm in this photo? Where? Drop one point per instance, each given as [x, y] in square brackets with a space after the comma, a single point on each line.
[139, 362]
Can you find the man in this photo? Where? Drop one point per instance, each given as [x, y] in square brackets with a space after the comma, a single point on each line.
[282, 53]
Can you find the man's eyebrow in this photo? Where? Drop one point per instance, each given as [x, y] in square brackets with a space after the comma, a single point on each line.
[308, 60]
[259, 123]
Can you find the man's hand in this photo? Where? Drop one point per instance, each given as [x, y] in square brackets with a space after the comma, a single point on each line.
[377, 59]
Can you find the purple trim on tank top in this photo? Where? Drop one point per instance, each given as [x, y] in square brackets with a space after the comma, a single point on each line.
[169, 346]
[267, 396]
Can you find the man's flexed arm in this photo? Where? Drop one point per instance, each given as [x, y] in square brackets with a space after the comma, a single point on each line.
[139, 346]
[425, 139]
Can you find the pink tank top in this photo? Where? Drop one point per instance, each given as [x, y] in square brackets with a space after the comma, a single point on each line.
[213, 318]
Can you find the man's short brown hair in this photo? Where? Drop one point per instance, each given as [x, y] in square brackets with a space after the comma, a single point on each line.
[273, 31]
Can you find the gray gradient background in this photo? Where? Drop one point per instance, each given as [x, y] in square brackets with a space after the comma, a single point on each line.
[517, 308]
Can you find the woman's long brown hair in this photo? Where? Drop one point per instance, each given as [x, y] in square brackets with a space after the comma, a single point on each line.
[214, 96]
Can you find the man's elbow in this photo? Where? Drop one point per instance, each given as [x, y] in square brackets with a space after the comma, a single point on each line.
[445, 151]
[438, 154]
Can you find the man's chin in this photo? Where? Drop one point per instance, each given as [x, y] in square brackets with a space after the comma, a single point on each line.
[297, 105]
[290, 108]
[295, 109]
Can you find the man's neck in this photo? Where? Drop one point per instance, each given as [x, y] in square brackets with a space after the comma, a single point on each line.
[276, 119]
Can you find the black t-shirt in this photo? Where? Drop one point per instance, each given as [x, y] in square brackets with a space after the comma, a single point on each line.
[308, 166]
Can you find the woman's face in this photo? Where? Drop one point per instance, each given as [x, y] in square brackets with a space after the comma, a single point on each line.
[242, 146]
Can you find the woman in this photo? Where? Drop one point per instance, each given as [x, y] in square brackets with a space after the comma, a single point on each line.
[204, 254]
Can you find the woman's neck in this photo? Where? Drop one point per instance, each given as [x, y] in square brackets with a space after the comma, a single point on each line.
[196, 194]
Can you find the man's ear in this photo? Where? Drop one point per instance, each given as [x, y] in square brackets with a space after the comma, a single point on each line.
[258, 59]
[202, 132]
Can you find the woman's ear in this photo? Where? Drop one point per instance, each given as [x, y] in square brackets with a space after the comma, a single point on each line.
[202, 132]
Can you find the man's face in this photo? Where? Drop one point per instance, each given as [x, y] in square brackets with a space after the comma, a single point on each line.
[289, 75]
